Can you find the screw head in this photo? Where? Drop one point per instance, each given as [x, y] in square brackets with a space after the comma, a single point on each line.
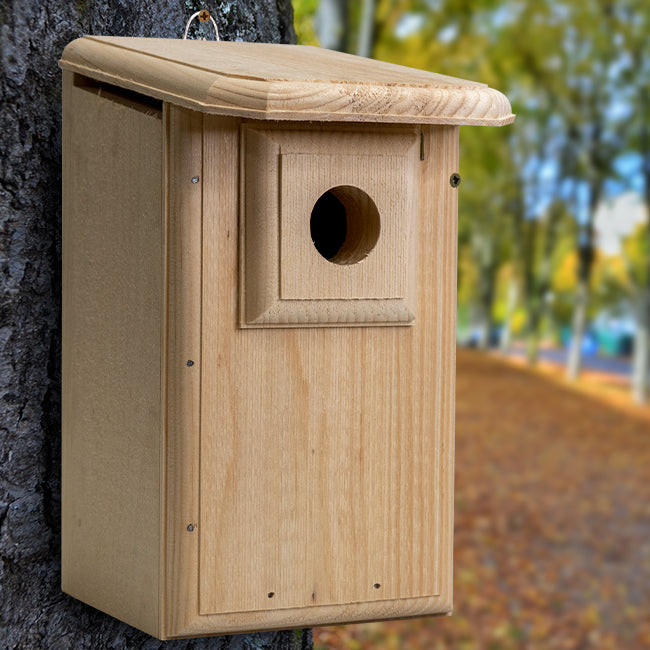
[195, 179]
[190, 528]
[454, 179]
[204, 16]
[190, 363]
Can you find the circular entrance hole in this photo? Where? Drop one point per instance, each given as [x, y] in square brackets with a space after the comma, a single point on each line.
[344, 225]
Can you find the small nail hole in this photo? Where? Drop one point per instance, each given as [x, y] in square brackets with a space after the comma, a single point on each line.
[271, 594]
[190, 363]
[376, 585]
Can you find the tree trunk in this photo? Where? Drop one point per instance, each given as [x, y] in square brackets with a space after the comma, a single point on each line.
[505, 340]
[34, 613]
[579, 325]
[585, 263]
[532, 338]
[483, 251]
[331, 24]
[486, 322]
[641, 361]
[366, 29]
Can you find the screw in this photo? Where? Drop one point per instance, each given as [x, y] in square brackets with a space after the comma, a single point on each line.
[454, 179]
[204, 16]
[190, 363]
[190, 528]
[195, 179]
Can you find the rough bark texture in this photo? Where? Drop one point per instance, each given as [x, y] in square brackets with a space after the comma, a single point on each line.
[34, 613]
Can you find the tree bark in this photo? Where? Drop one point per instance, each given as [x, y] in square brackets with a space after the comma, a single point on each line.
[34, 613]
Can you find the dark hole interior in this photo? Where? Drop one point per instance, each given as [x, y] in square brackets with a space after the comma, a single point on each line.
[329, 225]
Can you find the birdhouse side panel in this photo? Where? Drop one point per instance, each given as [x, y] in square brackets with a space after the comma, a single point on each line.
[112, 351]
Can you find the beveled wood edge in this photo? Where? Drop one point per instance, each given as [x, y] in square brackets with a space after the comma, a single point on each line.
[276, 312]
[208, 92]
[372, 312]
[317, 615]
[166, 344]
[183, 133]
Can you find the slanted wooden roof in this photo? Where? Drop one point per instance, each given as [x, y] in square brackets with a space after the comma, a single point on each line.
[283, 82]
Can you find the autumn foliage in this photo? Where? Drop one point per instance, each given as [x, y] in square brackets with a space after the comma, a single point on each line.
[552, 523]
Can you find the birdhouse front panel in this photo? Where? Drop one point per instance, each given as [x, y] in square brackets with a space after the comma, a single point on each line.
[321, 430]
[259, 334]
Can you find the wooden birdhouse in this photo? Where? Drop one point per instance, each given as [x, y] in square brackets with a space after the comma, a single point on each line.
[259, 272]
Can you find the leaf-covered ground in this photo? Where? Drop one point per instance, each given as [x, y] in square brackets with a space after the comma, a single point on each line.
[552, 523]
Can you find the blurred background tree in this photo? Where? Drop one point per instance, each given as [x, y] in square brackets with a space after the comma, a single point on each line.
[552, 257]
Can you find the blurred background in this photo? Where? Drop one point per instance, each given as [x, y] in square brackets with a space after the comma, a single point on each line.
[553, 499]
[554, 253]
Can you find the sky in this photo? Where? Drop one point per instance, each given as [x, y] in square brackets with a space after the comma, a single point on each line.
[616, 218]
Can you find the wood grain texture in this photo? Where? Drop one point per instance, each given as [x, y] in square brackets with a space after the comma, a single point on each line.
[309, 464]
[184, 160]
[285, 280]
[284, 82]
[326, 460]
[439, 205]
[112, 355]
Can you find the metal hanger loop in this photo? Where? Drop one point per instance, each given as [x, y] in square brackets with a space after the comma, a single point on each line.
[203, 16]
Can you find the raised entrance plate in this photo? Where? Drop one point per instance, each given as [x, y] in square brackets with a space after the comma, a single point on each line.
[328, 226]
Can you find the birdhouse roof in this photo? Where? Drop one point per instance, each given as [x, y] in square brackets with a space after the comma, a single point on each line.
[283, 82]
